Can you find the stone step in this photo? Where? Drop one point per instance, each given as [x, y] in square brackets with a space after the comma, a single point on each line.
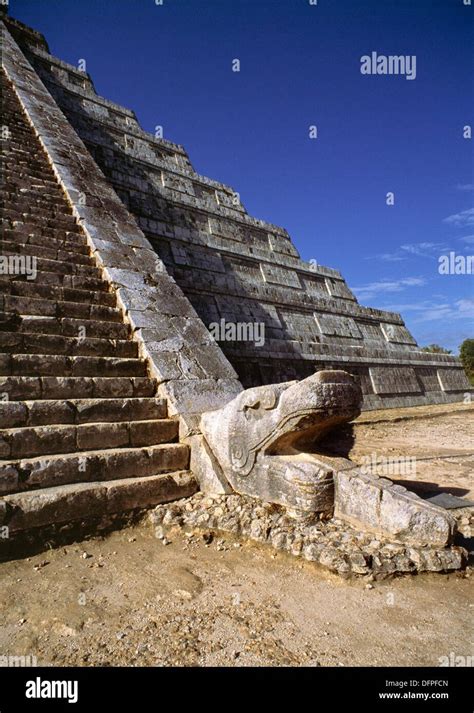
[57, 308]
[36, 290]
[60, 219]
[68, 503]
[55, 438]
[53, 470]
[16, 414]
[31, 202]
[17, 163]
[74, 244]
[25, 198]
[24, 343]
[82, 434]
[21, 388]
[37, 212]
[59, 365]
[46, 253]
[74, 237]
[66, 326]
[8, 157]
[38, 223]
[62, 267]
[75, 282]
[32, 206]
[23, 190]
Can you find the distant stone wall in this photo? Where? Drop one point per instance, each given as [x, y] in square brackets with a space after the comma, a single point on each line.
[234, 268]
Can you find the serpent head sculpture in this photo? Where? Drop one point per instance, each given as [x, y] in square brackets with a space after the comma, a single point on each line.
[264, 437]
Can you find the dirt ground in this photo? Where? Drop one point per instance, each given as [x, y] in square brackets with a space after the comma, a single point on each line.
[439, 438]
[129, 599]
[437, 443]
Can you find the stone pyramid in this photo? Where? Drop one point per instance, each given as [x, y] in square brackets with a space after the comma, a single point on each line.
[118, 263]
[238, 272]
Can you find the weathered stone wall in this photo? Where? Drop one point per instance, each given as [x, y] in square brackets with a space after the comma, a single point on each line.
[235, 268]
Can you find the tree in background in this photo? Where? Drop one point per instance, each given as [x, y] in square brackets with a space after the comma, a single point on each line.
[466, 354]
[435, 349]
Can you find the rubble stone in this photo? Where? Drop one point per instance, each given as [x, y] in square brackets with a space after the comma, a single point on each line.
[331, 543]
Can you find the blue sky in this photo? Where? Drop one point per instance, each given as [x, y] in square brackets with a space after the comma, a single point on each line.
[300, 66]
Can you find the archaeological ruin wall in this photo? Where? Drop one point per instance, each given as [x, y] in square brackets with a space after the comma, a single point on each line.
[236, 269]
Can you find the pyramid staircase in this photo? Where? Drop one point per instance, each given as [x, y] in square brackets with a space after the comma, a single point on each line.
[82, 432]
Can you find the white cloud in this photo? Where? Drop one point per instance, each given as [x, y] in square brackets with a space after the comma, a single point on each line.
[435, 313]
[431, 310]
[463, 219]
[469, 239]
[422, 249]
[465, 187]
[466, 307]
[388, 257]
[439, 320]
[382, 286]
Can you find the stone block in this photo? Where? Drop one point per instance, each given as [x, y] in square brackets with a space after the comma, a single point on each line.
[453, 380]
[206, 468]
[372, 505]
[394, 380]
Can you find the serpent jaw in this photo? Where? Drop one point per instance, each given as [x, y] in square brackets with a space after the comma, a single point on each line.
[264, 437]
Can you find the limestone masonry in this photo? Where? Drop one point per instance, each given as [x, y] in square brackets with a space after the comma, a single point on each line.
[124, 268]
[81, 414]
[234, 268]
